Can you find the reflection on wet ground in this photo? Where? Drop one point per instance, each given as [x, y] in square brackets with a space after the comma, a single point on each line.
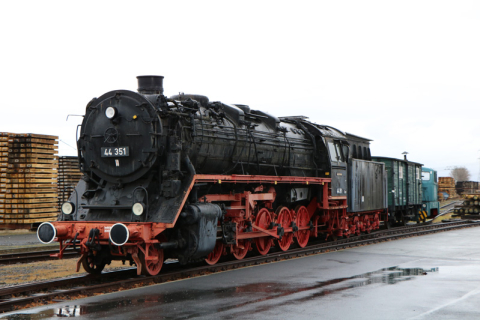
[190, 303]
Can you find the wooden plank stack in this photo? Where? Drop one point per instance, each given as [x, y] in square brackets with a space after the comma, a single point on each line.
[28, 189]
[447, 184]
[68, 176]
[470, 208]
[5, 143]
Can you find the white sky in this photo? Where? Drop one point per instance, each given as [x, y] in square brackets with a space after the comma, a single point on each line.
[403, 73]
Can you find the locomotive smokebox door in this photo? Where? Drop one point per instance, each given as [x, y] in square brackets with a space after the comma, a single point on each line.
[119, 136]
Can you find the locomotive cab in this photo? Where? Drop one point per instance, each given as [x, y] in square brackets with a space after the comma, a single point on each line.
[338, 151]
[431, 206]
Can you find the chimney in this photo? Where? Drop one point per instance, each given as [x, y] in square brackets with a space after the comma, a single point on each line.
[150, 84]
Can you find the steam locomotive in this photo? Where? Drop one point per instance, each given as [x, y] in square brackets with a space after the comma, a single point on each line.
[190, 179]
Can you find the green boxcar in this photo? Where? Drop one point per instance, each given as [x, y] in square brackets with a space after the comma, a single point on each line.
[404, 189]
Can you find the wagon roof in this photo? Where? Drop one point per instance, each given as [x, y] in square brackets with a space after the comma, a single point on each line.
[358, 137]
[401, 160]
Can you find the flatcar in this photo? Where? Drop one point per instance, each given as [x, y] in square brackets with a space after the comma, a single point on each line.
[190, 179]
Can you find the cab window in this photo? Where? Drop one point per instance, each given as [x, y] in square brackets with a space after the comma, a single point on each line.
[425, 176]
[336, 153]
[333, 152]
[345, 151]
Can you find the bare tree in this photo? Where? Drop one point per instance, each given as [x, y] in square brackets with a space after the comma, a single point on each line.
[460, 174]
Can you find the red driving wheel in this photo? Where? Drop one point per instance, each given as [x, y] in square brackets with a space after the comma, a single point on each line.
[242, 247]
[153, 265]
[302, 220]
[216, 254]
[263, 220]
[284, 218]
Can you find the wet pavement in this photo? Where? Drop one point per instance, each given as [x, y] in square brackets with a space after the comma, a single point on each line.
[430, 277]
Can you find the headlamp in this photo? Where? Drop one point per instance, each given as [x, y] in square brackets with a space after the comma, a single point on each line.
[68, 207]
[111, 112]
[137, 209]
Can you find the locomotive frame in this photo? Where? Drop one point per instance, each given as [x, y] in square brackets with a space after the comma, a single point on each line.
[264, 227]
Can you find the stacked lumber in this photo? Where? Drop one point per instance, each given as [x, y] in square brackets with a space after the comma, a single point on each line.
[469, 209]
[447, 184]
[28, 190]
[68, 177]
[5, 142]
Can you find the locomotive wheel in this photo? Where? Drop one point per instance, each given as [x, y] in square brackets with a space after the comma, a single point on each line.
[89, 265]
[376, 222]
[302, 219]
[356, 221]
[240, 251]
[151, 267]
[366, 223]
[263, 220]
[284, 218]
[331, 237]
[216, 254]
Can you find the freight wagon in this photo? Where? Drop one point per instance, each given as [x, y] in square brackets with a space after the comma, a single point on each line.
[404, 189]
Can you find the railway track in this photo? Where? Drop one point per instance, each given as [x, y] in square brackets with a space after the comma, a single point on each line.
[18, 296]
[33, 256]
[448, 207]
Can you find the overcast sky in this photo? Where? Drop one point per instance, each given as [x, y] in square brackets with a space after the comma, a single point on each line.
[405, 74]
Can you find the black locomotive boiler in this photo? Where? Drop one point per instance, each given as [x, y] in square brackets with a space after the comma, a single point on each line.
[190, 179]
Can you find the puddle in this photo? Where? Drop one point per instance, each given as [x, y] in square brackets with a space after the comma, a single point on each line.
[190, 303]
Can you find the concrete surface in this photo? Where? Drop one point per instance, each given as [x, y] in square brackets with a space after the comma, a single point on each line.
[21, 239]
[430, 277]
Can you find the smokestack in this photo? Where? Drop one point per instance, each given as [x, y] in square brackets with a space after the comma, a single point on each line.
[150, 84]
